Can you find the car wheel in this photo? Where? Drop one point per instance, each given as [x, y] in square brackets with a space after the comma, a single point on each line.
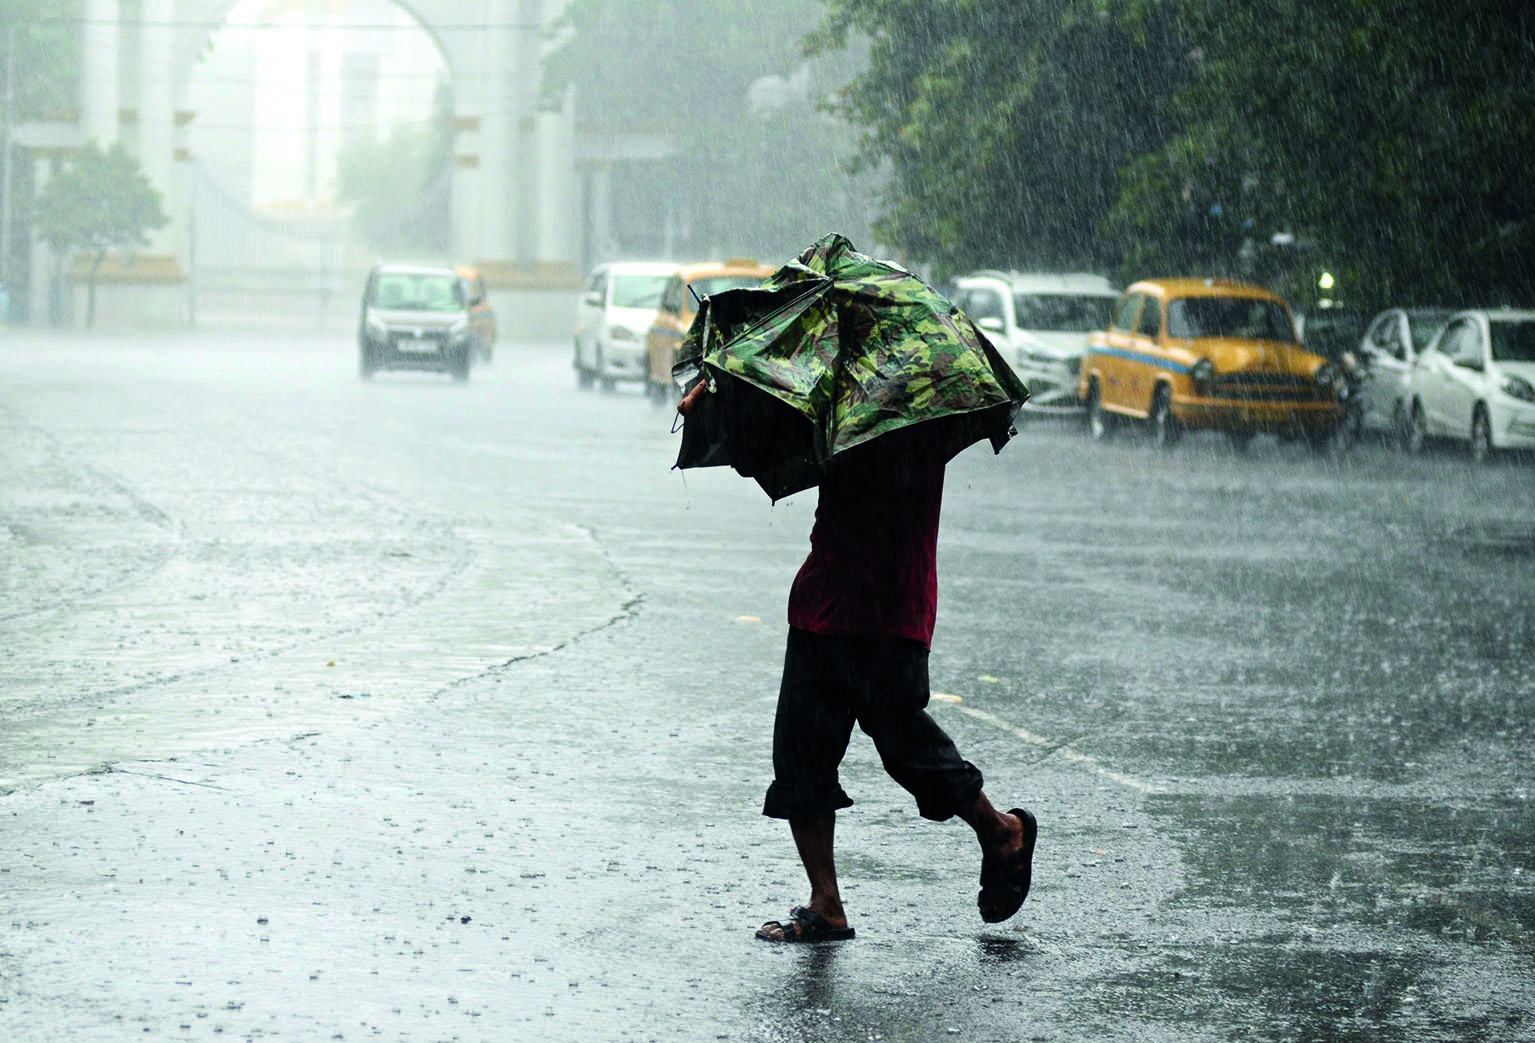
[1399, 426]
[1481, 435]
[1239, 440]
[1414, 434]
[583, 375]
[1100, 423]
[459, 365]
[1165, 429]
[365, 363]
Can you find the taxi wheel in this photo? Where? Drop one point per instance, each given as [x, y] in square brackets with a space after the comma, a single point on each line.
[1481, 436]
[1239, 440]
[1327, 442]
[1165, 430]
[1100, 425]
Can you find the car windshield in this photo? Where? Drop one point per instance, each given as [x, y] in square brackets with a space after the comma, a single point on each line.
[1513, 340]
[417, 291]
[1246, 317]
[1061, 312]
[638, 291]
[1424, 325]
[712, 284]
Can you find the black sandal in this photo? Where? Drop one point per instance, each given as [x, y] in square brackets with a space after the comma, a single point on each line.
[1005, 884]
[803, 925]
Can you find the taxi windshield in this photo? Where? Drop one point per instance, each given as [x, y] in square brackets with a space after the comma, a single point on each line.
[712, 284]
[1249, 318]
[414, 291]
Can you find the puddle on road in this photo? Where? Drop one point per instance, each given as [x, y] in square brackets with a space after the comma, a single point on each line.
[1458, 873]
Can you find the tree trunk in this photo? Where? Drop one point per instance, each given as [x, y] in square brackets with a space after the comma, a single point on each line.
[90, 290]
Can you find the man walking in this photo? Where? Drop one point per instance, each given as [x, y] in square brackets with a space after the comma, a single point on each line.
[861, 615]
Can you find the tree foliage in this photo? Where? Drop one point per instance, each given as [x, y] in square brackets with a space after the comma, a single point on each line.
[101, 202]
[47, 53]
[1395, 136]
[1178, 136]
[1005, 124]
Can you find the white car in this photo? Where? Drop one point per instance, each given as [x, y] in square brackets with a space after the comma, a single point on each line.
[1475, 383]
[1386, 354]
[1041, 322]
[617, 306]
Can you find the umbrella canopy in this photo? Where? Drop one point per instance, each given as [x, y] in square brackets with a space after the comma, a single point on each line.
[834, 350]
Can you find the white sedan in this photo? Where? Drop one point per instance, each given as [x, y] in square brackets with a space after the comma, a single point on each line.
[1475, 383]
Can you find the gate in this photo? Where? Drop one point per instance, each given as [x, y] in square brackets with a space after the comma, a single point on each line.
[254, 271]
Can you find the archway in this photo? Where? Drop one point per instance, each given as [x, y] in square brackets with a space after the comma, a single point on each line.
[509, 179]
[322, 141]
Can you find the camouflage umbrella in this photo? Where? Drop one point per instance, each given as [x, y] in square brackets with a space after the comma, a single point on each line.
[832, 351]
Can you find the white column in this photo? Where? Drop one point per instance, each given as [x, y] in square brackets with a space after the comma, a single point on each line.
[557, 226]
[599, 215]
[157, 116]
[495, 182]
[99, 71]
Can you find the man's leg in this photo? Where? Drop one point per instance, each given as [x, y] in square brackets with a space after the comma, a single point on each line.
[814, 839]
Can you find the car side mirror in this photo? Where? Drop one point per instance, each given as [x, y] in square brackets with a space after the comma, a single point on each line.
[991, 324]
[593, 299]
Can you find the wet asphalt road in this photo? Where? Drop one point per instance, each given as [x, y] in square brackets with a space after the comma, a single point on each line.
[407, 710]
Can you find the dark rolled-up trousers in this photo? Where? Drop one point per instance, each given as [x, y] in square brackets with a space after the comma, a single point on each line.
[830, 681]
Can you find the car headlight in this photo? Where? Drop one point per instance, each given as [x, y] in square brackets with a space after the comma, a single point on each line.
[1203, 371]
[617, 333]
[1326, 375]
[1517, 387]
[377, 328]
[459, 328]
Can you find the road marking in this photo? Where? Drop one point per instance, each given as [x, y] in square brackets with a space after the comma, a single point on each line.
[1067, 753]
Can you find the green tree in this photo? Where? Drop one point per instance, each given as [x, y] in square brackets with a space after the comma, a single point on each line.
[101, 202]
[1395, 136]
[1004, 124]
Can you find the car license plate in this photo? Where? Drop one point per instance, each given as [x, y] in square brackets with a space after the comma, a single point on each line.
[417, 343]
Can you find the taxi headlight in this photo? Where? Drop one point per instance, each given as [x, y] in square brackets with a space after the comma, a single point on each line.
[1517, 387]
[1326, 375]
[1203, 371]
[618, 333]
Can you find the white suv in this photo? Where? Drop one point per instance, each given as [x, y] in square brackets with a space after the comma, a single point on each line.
[617, 304]
[1041, 322]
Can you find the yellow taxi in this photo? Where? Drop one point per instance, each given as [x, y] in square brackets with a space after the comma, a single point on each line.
[679, 303]
[482, 319]
[1211, 354]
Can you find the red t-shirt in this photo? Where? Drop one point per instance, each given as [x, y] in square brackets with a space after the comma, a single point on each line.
[873, 564]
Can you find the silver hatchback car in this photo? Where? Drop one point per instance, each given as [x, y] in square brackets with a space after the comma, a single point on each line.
[417, 317]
